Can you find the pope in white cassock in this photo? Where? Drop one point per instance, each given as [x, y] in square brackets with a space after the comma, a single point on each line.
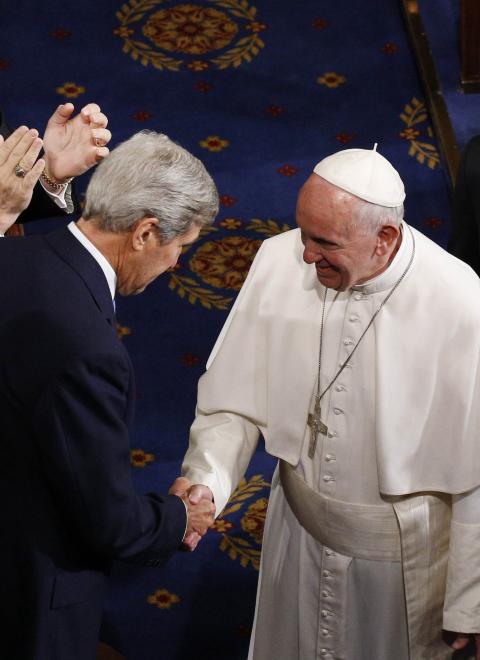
[354, 349]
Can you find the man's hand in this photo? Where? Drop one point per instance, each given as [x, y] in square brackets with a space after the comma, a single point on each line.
[20, 150]
[194, 497]
[462, 641]
[74, 144]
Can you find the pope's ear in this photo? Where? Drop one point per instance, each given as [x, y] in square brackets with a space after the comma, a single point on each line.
[144, 232]
[387, 237]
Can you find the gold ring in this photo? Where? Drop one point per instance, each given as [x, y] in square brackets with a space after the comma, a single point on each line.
[20, 171]
[97, 142]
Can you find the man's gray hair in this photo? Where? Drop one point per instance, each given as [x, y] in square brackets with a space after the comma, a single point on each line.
[151, 176]
[369, 218]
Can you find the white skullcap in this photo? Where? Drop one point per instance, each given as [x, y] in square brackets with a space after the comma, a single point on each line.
[365, 174]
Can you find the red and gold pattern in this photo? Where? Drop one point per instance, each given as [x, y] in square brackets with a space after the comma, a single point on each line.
[123, 331]
[252, 522]
[225, 263]
[214, 143]
[415, 118]
[71, 90]
[138, 458]
[331, 79]
[163, 599]
[190, 30]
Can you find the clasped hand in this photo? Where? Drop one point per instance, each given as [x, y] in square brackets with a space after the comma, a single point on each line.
[72, 145]
[200, 507]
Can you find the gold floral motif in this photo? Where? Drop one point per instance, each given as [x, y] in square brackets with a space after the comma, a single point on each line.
[138, 458]
[268, 227]
[415, 114]
[163, 599]
[331, 79]
[225, 263]
[187, 288]
[214, 143]
[253, 521]
[71, 90]
[123, 331]
[190, 29]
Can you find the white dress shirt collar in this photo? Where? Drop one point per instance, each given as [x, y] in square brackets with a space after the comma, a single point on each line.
[98, 256]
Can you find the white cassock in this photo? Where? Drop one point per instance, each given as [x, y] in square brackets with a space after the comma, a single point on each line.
[356, 542]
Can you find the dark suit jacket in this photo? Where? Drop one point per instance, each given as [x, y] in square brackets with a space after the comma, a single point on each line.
[67, 503]
[465, 239]
[41, 205]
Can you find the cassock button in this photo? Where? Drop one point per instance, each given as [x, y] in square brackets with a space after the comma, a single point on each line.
[326, 573]
[324, 614]
[348, 341]
[325, 594]
[329, 458]
[354, 318]
[337, 411]
[332, 434]
[328, 478]
[329, 553]
[323, 652]
[325, 632]
[358, 296]
[340, 388]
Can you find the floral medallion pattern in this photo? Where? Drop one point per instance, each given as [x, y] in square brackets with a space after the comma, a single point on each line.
[222, 34]
[163, 599]
[211, 267]
[190, 29]
[418, 133]
[225, 263]
[238, 546]
[70, 90]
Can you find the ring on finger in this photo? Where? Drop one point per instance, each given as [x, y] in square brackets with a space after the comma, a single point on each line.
[97, 142]
[20, 171]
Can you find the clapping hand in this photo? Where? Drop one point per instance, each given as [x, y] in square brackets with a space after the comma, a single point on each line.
[18, 173]
[201, 510]
[74, 144]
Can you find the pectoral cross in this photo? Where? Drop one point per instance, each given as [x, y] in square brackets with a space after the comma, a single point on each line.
[316, 425]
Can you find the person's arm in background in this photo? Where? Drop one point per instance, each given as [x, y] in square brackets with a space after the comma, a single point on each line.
[23, 146]
[72, 145]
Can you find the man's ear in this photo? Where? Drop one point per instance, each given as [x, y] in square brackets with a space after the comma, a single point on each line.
[143, 232]
[387, 237]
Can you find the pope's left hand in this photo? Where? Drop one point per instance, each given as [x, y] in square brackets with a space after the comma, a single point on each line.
[74, 144]
[462, 641]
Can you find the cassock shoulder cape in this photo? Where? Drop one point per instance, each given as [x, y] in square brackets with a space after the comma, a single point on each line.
[427, 344]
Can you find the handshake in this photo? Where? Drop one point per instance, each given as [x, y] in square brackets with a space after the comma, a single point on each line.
[198, 500]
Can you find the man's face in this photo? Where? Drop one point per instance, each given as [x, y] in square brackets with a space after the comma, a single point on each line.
[140, 267]
[343, 256]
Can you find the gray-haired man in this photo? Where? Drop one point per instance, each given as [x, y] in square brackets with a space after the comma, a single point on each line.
[66, 399]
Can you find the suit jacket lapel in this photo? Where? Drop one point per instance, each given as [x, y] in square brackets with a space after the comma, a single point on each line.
[64, 243]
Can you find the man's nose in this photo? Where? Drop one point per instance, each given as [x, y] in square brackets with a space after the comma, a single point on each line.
[310, 256]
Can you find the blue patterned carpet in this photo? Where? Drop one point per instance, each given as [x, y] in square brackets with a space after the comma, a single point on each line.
[260, 90]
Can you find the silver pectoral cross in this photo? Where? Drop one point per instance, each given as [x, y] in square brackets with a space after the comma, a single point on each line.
[316, 425]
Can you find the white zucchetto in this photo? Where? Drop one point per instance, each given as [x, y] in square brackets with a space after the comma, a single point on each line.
[364, 173]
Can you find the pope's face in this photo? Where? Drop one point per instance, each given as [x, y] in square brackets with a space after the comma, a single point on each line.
[343, 256]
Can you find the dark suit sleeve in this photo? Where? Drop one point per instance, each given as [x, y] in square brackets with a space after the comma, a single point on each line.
[41, 204]
[465, 238]
[83, 444]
